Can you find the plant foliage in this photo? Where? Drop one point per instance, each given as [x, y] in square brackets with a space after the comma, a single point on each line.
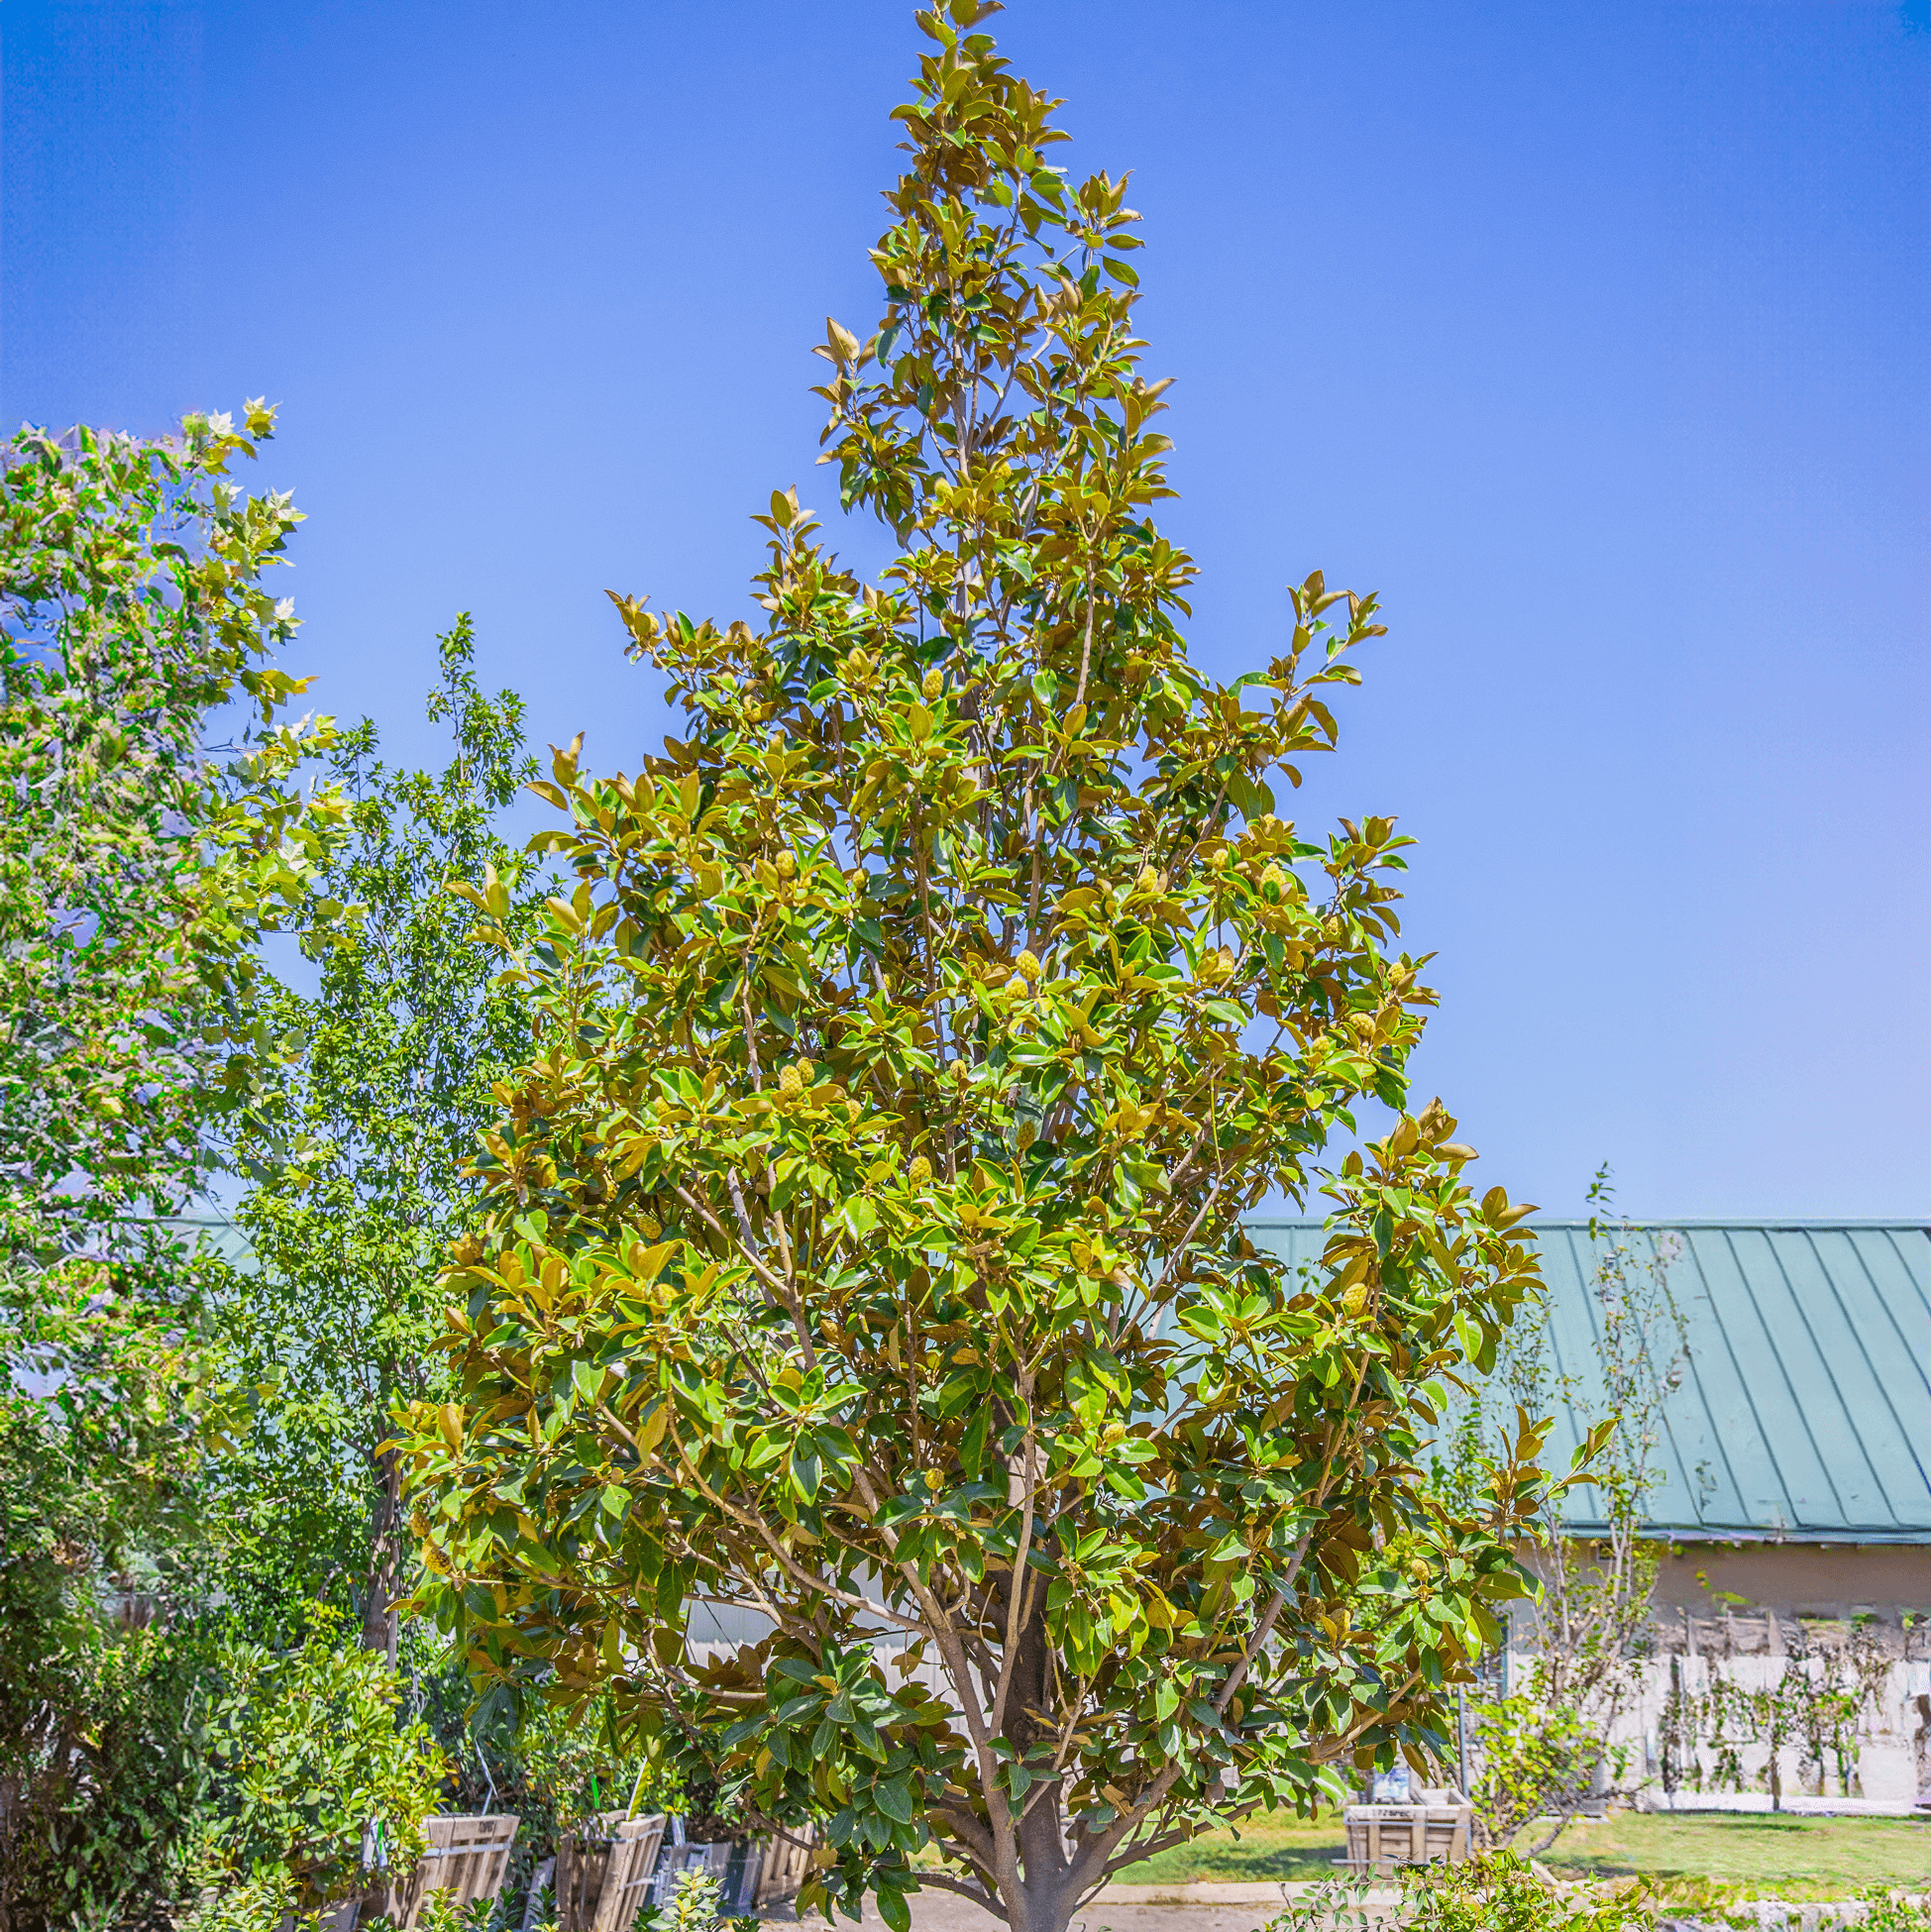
[321, 1773]
[356, 1150]
[135, 865]
[1495, 1893]
[865, 1253]
[139, 861]
[1546, 1748]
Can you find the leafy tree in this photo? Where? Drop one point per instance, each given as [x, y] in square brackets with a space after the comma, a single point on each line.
[107, 1417]
[140, 858]
[137, 862]
[865, 1251]
[320, 1765]
[357, 1155]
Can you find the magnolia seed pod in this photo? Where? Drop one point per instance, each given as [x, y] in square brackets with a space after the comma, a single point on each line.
[930, 686]
[788, 1081]
[785, 865]
[1026, 965]
[919, 1171]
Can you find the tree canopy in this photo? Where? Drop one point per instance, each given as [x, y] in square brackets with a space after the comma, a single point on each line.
[151, 830]
[864, 1253]
[137, 861]
[355, 1149]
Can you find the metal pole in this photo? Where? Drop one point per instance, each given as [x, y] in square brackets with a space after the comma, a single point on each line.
[1462, 1739]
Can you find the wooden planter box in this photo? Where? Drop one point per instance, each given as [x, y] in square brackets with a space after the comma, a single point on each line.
[1381, 1836]
[605, 1876]
[786, 1859]
[468, 1857]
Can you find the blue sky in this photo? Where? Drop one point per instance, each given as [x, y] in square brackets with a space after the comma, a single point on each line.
[1593, 338]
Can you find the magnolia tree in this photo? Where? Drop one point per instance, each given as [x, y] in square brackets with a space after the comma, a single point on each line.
[864, 1256]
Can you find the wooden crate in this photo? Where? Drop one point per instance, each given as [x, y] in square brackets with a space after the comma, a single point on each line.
[583, 1861]
[468, 1857]
[604, 1875]
[1381, 1836]
[787, 1858]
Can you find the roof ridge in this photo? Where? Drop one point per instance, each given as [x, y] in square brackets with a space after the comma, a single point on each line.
[1775, 1224]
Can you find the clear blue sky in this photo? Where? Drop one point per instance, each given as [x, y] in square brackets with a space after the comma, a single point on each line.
[1593, 338]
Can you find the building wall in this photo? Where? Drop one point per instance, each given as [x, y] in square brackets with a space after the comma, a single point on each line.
[1733, 1621]
[1886, 1759]
[1794, 1580]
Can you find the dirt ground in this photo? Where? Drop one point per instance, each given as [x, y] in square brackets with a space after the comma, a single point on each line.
[934, 1912]
[938, 1912]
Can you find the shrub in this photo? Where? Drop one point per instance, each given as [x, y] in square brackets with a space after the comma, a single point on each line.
[1498, 1892]
[320, 1768]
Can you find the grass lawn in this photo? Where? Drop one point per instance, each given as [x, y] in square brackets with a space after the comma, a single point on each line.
[1760, 1855]
[1765, 1856]
[1267, 1847]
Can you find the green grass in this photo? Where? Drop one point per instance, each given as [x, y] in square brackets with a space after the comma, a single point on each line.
[1765, 1856]
[1798, 1859]
[1267, 1847]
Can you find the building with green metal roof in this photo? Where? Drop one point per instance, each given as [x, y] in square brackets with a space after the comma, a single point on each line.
[1803, 1414]
[1793, 1499]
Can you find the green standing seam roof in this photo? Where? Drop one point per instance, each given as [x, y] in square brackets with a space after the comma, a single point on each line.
[1804, 1412]
[220, 1233]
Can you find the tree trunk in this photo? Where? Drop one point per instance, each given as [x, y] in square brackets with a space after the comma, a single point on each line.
[380, 1621]
[12, 1792]
[1047, 1890]
[1048, 1907]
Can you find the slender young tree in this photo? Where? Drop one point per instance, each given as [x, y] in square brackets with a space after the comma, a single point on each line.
[865, 1252]
[1546, 1749]
[356, 1158]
